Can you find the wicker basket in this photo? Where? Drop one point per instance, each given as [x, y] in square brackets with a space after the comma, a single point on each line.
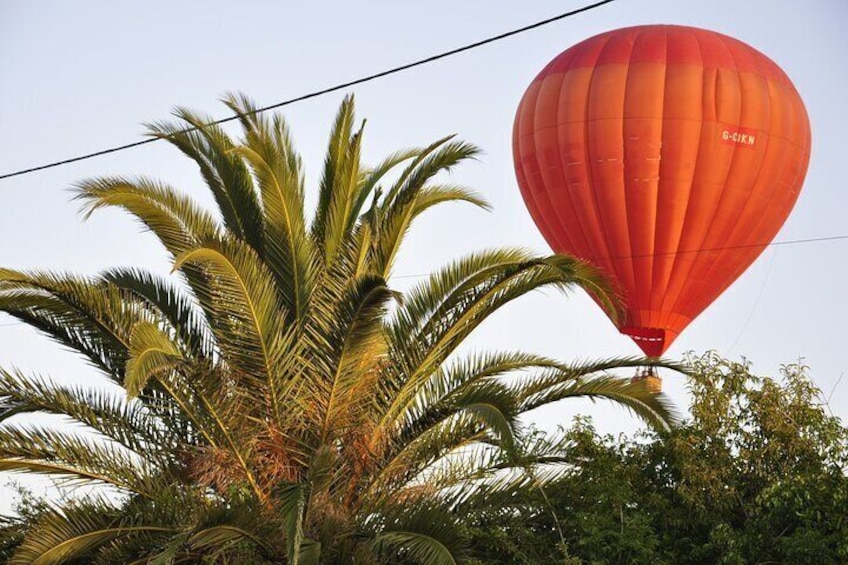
[651, 381]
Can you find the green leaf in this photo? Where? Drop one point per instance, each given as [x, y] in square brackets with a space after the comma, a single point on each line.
[69, 534]
[152, 353]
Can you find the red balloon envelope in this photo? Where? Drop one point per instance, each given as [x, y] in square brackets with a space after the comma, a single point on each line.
[667, 156]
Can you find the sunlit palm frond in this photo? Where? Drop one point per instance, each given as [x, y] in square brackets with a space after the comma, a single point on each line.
[226, 175]
[69, 456]
[374, 175]
[71, 534]
[655, 409]
[178, 307]
[244, 307]
[177, 220]
[340, 179]
[152, 353]
[92, 317]
[129, 423]
[439, 315]
[411, 195]
[358, 347]
[420, 155]
[269, 151]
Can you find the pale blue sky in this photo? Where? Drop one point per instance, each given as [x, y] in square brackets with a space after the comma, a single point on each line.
[81, 76]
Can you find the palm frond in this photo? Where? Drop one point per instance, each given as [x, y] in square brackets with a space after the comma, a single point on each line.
[655, 409]
[277, 167]
[424, 533]
[92, 317]
[419, 157]
[176, 306]
[396, 221]
[342, 189]
[453, 377]
[410, 196]
[174, 218]
[406, 459]
[373, 175]
[358, 340]
[226, 175]
[71, 534]
[152, 353]
[68, 456]
[245, 309]
[128, 423]
[438, 315]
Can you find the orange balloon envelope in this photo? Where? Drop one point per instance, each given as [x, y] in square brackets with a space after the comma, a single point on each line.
[667, 156]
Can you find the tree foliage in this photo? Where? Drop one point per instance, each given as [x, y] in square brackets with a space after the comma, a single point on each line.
[283, 403]
[757, 475]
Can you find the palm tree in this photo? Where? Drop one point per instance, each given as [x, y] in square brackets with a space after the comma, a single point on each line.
[281, 403]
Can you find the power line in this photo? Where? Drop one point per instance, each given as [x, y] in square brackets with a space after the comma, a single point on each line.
[764, 245]
[317, 93]
[690, 251]
[704, 250]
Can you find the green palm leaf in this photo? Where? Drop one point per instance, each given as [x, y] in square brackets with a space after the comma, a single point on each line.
[269, 151]
[244, 306]
[178, 308]
[174, 218]
[64, 455]
[227, 176]
[91, 317]
[70, 534]
[128, 423]
[152, 353]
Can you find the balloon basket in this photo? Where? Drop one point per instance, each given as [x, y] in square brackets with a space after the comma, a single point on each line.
[649, 379]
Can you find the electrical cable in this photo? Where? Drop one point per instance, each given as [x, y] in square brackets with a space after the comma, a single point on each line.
[772, 244]
[321, 92]
[704, 250]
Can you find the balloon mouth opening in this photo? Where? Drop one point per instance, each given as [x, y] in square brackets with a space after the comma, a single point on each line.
[652, 341]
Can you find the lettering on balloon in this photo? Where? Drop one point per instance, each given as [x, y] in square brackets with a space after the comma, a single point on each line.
[739, 136]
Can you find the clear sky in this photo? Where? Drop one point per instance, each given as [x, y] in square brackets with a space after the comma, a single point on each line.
[81, 76]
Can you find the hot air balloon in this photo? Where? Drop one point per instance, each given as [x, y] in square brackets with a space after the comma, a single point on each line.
[668, 157]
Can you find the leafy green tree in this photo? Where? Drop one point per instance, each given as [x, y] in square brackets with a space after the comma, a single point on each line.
[761, 471]
[757, 475]
[283, 403]
[586, 513]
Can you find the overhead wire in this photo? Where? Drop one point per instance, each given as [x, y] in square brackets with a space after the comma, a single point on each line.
[702, 250]
[321, 92]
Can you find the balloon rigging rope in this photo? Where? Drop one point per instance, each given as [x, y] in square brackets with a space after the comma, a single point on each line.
[323, 91]
[703, 250]
[754, 306]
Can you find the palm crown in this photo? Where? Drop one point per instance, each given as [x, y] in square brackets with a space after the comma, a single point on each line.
[283, 403]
